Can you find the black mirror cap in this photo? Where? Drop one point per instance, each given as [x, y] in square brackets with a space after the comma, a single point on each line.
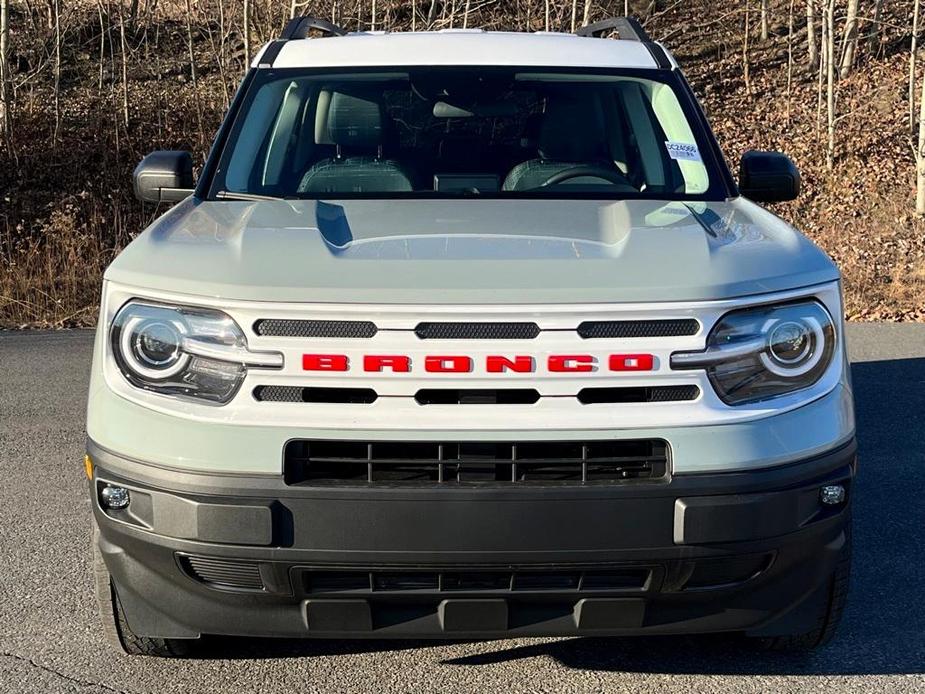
[164, 176]
[768, 177]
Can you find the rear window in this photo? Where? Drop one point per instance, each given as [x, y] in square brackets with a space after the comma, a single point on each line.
[465, 132]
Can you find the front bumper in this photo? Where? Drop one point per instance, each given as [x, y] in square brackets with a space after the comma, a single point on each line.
[237, 555]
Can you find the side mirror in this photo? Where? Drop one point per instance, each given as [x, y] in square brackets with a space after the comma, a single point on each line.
[164, 176]
[768, 177]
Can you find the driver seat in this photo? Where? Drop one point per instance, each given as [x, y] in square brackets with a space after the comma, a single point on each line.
[571, 134]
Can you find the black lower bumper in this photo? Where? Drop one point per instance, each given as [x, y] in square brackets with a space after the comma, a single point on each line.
[251, 556]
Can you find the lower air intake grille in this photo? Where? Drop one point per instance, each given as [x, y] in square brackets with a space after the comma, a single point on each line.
[319, 582]
[230, 574]
[429, 463]
[638, 328]
[273, 327]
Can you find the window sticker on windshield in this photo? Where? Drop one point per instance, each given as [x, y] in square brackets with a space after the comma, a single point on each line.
[683, 151]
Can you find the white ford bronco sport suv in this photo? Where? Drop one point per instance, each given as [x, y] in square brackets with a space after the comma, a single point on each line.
[469, 335]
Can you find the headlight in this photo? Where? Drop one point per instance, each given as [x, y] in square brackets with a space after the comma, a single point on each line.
[759, 353]
[197, 353]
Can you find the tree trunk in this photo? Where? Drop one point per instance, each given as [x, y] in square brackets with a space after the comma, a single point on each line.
[5, 96]
[920, 159]
[247, 34]
[812, 53]
[124, 49]
[574, 14]
[746, 67]
[57, 26]
[913, 55]
[851, 38]
[586, 19]
[874, 38]
[830, 83]
[765, 30]
[790, 61]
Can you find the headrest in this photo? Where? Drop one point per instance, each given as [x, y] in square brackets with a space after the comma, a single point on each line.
[355, 120]
[572, 130]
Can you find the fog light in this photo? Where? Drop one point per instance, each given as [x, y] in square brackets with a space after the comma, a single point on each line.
[832, 494]
[114, 497]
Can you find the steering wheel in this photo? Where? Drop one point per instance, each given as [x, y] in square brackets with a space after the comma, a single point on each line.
[608, 175]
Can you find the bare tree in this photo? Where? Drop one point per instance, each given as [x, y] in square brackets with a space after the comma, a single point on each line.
[920, 159]
[913, 55]
[850, 45]
[765, 29]
[746, 67]
[247, 34]
[790, 60]
[874, 37]
[56, 8]
[123, 47]
[830, 82]
[812, 53]
[5, 96]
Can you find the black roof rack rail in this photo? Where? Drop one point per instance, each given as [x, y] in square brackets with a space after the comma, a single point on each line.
[298, 28]
[627, 28]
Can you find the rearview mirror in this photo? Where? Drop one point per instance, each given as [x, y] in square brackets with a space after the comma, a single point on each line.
[768, 177]
[164, 176]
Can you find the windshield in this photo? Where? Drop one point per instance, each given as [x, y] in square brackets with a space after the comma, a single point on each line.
[447, 132]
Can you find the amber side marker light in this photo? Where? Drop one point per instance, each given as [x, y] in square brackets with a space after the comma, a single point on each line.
[88, 467]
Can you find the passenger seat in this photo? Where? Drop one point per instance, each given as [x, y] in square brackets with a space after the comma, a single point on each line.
[356, 123]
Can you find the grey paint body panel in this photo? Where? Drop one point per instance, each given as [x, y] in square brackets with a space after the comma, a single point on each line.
[470, 251]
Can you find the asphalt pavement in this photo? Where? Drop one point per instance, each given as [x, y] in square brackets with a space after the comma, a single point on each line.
[50, 640]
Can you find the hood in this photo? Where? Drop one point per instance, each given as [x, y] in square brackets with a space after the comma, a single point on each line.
[470, 251]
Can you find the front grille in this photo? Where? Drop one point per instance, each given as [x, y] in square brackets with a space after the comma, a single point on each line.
[228, 574]
[483, 396]
[324, 582]
[594, 396]
[428, 463]
[639, 328]
[477, 331]
[274, 327]
[310, 394]
[497, 396]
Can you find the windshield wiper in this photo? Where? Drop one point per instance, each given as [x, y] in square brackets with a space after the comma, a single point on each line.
[230, 195]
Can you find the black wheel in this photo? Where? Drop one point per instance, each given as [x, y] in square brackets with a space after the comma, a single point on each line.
[825, 629]
[116, 630]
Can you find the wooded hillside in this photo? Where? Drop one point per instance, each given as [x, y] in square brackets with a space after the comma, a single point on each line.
[91, 86]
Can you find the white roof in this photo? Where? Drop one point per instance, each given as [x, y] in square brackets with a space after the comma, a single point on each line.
[462, 47]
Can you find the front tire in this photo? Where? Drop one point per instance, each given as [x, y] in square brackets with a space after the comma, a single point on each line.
[116, 630]
[827, 625]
